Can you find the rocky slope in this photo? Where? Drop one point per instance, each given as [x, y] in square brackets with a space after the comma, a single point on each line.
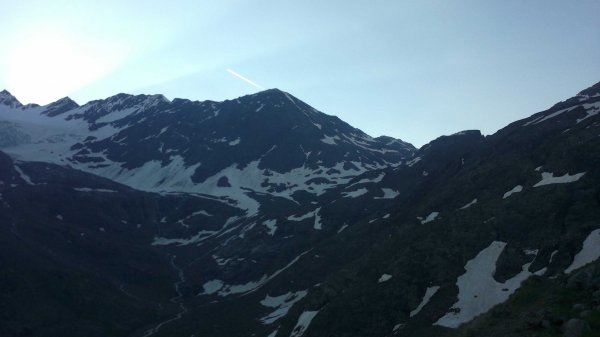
[263, 216]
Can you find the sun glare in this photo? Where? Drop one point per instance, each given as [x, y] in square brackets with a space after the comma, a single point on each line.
[46, 66]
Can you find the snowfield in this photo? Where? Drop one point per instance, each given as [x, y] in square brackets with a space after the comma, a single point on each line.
[590, 252]
[478, 290]
[548, 178]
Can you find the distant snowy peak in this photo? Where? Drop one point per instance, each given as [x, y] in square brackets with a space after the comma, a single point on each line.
[97, 109]
[276, 104]
[62, 105]
[6, 98]
[269, 142]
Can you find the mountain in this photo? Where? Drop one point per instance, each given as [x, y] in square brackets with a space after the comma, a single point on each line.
[262, 216]
[270, 143]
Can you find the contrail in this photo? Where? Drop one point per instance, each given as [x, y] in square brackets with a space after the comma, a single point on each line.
[244, 79]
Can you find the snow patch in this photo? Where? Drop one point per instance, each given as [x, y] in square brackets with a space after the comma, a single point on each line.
[469, 204]
[590, 252]
[198, 237]
[388, 193]
[368, 180]
[432, 216]
[301, 217]
[355, 194]
[478, 290]
[217, 286]
[271, 225]
[552, 256]
[303, 322]
[545, 118]
[315, 213]
[428, 294]
[23, 175]
[384, 278]
[282, 305]
[411, 162]
[591, 109]
[317, 225]
[515, 189]
[549, 178]
[87, 189]
[398, 327]
[212, 286]
[330, 140]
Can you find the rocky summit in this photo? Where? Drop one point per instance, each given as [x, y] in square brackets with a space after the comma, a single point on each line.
[262, 216]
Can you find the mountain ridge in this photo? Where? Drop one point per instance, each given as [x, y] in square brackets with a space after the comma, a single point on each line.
[124, 134]
[378, 247]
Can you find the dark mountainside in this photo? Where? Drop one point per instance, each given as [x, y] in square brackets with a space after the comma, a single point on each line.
[261, 216]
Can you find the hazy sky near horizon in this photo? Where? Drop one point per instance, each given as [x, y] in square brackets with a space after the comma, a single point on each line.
[414, 69]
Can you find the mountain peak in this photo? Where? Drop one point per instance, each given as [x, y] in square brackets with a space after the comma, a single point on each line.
[62, 105]
[272, 93]
[6, 98]
[591, 91]
[64, 100]
[123, 100]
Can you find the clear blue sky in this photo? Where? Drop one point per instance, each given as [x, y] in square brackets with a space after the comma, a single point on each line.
[413, 70]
